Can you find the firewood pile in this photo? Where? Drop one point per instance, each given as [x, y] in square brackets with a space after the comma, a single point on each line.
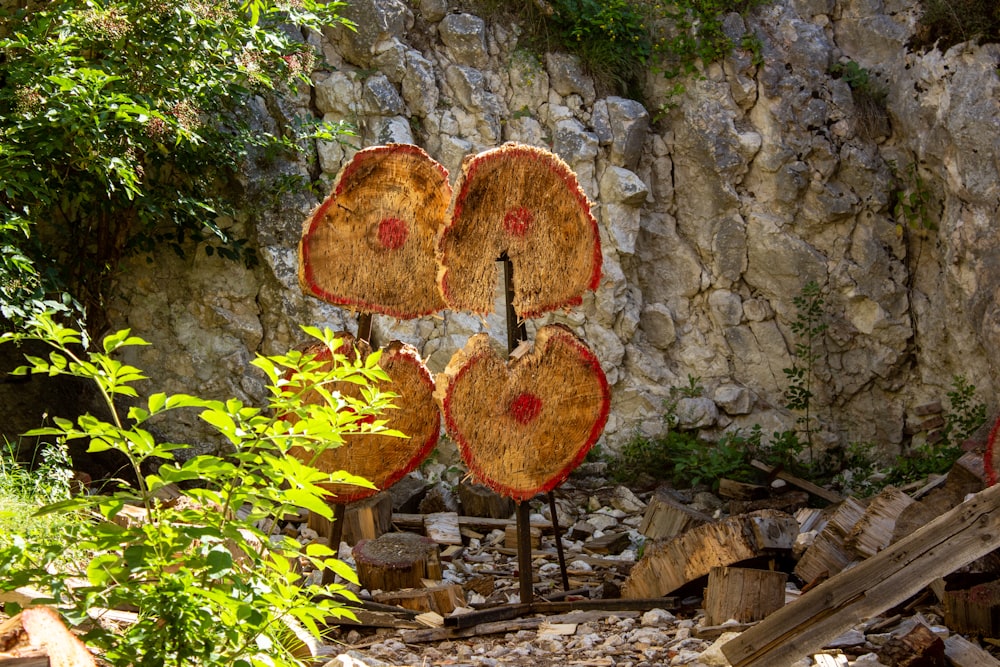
[894, 589]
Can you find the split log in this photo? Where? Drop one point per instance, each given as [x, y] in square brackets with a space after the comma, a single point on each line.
[873, 531]
[396, 560]
[828, 554]
[364, 519]
[510, 537]
[965, 476]
[665, 517]
[743, 594]
[869, 588]
[919, 647]
[376, 231]
[669, 565]
[442, 598]
[523, 426]
[526, 203]
[480, 500]
[39, 632]
[973, 609]
[789, 502]
[609, 543]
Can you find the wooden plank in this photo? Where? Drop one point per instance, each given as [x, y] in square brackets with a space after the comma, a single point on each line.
[443, 528]
[900, 571]
[960, 652]
[803, 484]
[416, 522]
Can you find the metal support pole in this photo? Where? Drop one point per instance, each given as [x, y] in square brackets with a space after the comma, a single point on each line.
[365, 327]
[558, 535]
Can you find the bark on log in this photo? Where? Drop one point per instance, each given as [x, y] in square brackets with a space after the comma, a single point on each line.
[396, 560]
[442, 598]
[480, 500]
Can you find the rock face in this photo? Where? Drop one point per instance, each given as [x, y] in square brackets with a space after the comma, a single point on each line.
[766, 174]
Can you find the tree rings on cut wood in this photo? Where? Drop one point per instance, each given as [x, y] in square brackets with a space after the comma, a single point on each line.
[384, 459]
[370, 245]
[524, 202]
[396, 560]
[523, 427]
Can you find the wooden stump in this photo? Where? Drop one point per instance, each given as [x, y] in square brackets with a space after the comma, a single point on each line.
[480, 500]
[364, 519]
[973, 610]
[396, 560]
[744, 594]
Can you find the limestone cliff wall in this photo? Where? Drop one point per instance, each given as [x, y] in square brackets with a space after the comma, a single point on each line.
[716, 207]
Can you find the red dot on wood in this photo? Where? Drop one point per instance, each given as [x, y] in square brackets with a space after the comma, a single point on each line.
[517, 221]
[392, 233]
[525, 408]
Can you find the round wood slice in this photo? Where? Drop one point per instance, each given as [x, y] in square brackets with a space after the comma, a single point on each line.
[382, 459]
[370, 246]
[523, 427]
[524, 202]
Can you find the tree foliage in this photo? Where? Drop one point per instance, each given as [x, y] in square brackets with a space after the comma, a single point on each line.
[120, 124]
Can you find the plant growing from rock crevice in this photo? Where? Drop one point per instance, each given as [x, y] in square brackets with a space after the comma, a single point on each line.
[809, 328]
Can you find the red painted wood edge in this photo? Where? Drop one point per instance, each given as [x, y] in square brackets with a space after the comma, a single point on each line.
[468, 453]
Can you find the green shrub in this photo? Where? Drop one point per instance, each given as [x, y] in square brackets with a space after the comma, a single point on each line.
[121, 125]
[944, 23]
[212, 580]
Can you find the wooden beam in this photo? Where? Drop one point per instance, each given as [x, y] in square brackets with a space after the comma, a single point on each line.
[803, 484]
[803, 627]
[416, 522]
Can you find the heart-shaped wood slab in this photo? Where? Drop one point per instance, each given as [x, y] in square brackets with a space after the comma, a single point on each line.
[370, 245]
[526, 203]
[523, 426]
[383, 459]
